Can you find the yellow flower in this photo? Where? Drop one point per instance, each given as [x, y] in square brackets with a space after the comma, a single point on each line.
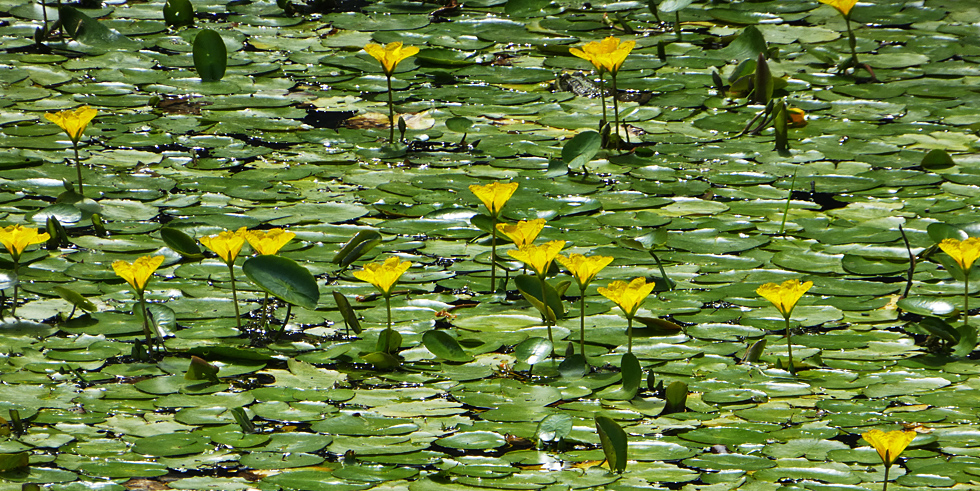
[843, 6]
[494, 195]
[523, 232]
[796, 117]
[226, 245]
[390, 54]
[73, 121]
[784, 296]
[629, 296]
[268, 242]
[964, 252]
[889, 445]
[383, 276]
[538, 257]
[606, 55]
[584, 268]
[137, 273]
[16, 238]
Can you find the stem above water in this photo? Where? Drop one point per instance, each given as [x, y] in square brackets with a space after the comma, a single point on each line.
[629, 334]
[789, 347]
[388, 307]
[581, 302]
[391, 113]
[78, 167]
[493, 253]
[234, 295]
[13, 308]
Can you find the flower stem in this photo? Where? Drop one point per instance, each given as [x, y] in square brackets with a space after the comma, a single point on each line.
[146, 320]
[234, 295]
[966, 299]
[265, 311]
[851, 40]
[629, 334]
[391, 113]
[615, 103]
[544, 301]
[789, 347]
[13, 308]
[581, 303]
[884, 483]
[602, 95]
[493, 253]
[388, 306]
[78, 166]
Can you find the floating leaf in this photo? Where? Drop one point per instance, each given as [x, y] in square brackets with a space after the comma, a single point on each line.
[210, 55]
[580, 150]
[445, 346]
[89, 31]
[181, 243]
[614, 442]
[284, 279]
[178, 13]
[533, 350]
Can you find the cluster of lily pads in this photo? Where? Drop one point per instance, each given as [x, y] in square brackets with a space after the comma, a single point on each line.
[448, 377]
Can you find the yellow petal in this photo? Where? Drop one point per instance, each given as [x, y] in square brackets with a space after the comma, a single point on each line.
[494, 195]
[629, 296]
[584, 268]
[390, 54]
[268, 242]
[964, 252]
[784, 296]
[137, 273]
[383, 275]
[226, 245]
[16, 238]
[842, 6]
[73, 121]
[889, 445]
[538, 258]
[523, 232]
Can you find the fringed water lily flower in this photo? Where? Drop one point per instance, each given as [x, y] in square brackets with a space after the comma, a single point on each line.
[523, 232]
[629, 297]
[74, 122]
[268, 242]
[138, 274]
[539, 259]
[965, 253]
[16, 238]
[384, 276]
[584, 269]
[227, 245]
[785, 296]
[842, 6]
[494, 196]
[889, 446]
[607, 55]
[390, 55]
